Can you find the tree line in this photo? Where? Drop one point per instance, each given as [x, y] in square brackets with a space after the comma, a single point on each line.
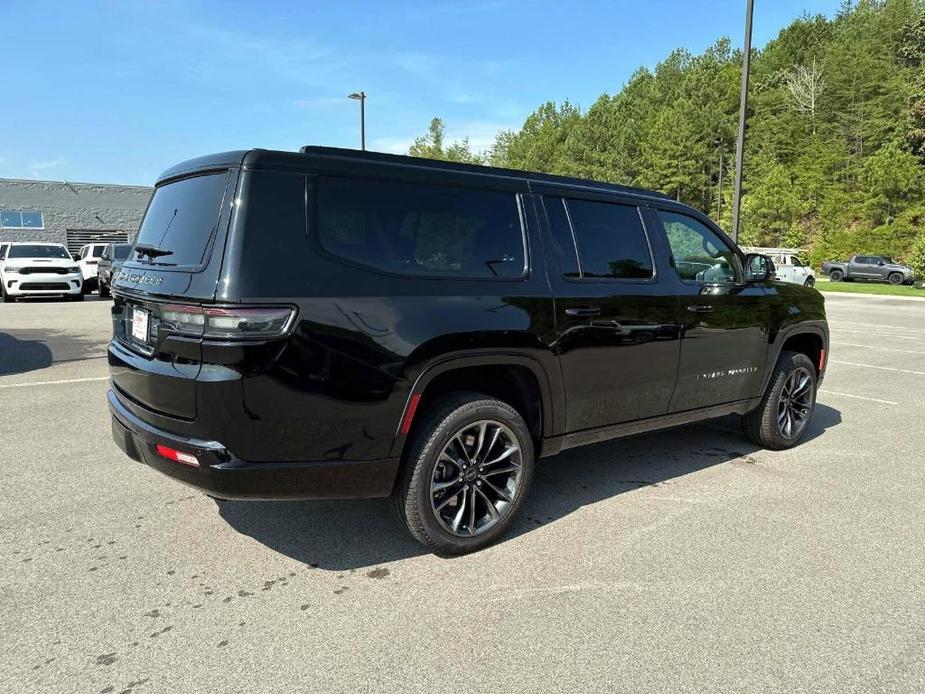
[835, 143]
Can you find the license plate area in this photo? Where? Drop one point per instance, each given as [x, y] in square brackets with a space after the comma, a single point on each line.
[140, 324]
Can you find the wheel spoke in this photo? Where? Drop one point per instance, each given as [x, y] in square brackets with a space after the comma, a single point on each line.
[462, 446]
[440, 486]
[448, 499]
[500, 471]
[478, 449]
[508, 452]
[471, 513]
[457, 519]
[494, 440]
[492, 511]
[500, 492]
[447, 458]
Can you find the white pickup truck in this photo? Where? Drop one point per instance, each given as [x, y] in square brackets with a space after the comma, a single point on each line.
[787, 265]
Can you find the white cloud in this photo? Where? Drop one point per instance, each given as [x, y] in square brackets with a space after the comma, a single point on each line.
[49, 164]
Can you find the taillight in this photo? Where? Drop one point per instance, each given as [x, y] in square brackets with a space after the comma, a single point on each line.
[244, 323]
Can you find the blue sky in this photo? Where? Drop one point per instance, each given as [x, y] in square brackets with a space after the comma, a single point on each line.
[118, 91]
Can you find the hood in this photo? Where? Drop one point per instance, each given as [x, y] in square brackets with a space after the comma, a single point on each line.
[38, 263]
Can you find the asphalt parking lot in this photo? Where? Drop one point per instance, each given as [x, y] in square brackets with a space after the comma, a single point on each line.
[678, 561]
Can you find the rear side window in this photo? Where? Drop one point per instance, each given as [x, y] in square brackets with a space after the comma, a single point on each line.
[611, 240]
[121, 252]
[182, 219]
[420, 229]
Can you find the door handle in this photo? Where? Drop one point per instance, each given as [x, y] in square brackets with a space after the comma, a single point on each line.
[700, 308]
[587, 312]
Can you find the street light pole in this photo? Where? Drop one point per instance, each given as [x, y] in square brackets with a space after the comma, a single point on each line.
[743, 103]
[719, 187]
[361, 97]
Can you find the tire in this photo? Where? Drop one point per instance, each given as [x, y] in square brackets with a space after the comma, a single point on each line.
[836, 275]
[104, 290]
[895, 279]
[76, 297]
[763, 424]
[418, 504]
[8, 298]
[810, 282]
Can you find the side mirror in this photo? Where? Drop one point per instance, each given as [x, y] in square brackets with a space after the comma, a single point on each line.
[758, 268]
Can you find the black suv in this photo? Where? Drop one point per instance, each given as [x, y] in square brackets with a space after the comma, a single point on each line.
[333, 324]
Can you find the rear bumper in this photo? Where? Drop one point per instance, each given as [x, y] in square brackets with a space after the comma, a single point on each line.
[223, 475]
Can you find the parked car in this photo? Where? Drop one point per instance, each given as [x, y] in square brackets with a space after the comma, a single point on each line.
[879, 268]
[787, 265]
[88, 258]
[110, 262]
[38, 269]
[364, 325]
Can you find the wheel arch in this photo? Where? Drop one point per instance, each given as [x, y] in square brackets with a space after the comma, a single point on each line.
[811, 340]
[517, 379]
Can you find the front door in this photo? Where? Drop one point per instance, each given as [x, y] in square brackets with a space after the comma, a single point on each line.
[725, 337]
[617, 329]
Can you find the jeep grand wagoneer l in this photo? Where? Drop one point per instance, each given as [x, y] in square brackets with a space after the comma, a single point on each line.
[334, 323]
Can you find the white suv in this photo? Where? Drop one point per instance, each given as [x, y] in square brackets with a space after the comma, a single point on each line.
[38, 269]
[88, 258]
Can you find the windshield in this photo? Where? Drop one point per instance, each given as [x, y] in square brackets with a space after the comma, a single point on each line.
[38, 251]
[121, 251]
[182, 219]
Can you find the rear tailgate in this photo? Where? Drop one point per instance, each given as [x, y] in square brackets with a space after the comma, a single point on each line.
[177, 258]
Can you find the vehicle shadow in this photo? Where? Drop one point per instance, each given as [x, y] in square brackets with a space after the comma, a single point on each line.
[22, 351]
[343, 535]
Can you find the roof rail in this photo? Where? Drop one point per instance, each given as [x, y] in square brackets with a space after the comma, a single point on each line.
[474, 168]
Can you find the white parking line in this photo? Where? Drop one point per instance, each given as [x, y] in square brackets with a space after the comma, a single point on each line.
[858, 397]
[873, 366]
[891, 336]
[53, 383]
[879, 326]
[885, 349]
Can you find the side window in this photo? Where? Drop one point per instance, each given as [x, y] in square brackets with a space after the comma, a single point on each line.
[796, 262]
[698, 253]
[611, 240]
[420, 229]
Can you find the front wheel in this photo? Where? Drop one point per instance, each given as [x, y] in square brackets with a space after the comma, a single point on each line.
[781, 420]
[467, 470]
[810, 282]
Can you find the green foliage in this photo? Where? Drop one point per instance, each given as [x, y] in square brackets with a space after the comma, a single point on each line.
[835, 150]
[916, 258]
[432, 146]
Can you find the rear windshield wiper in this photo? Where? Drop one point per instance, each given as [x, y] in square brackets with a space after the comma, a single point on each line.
[151, 251]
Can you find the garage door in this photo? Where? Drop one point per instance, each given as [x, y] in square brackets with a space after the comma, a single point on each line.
[80, 237]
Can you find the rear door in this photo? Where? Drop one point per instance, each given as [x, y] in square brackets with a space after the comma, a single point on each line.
[724, 320]
[184, 229]
[617, 327]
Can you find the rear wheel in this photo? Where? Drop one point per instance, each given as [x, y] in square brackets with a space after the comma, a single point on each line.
[781, 420]
[836, 275]
[895, 278]
[468, 468]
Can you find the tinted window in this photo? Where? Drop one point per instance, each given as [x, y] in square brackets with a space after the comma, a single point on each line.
[698, 253]
[610, 239]
[121, 251]
[420, 229]
[38, 251]
[98, 251]
[182, 219]
[563, 243]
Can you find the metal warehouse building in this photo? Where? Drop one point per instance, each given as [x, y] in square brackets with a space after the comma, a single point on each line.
[70, 213]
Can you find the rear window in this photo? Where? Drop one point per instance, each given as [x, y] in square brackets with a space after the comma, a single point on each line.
[97, 251]
[121, 252]
[182, 219]
[38, 251]
[420, 229]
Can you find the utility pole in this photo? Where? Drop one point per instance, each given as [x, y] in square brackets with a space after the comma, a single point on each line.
[719, 183]
[361, 97]
[743, 104]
